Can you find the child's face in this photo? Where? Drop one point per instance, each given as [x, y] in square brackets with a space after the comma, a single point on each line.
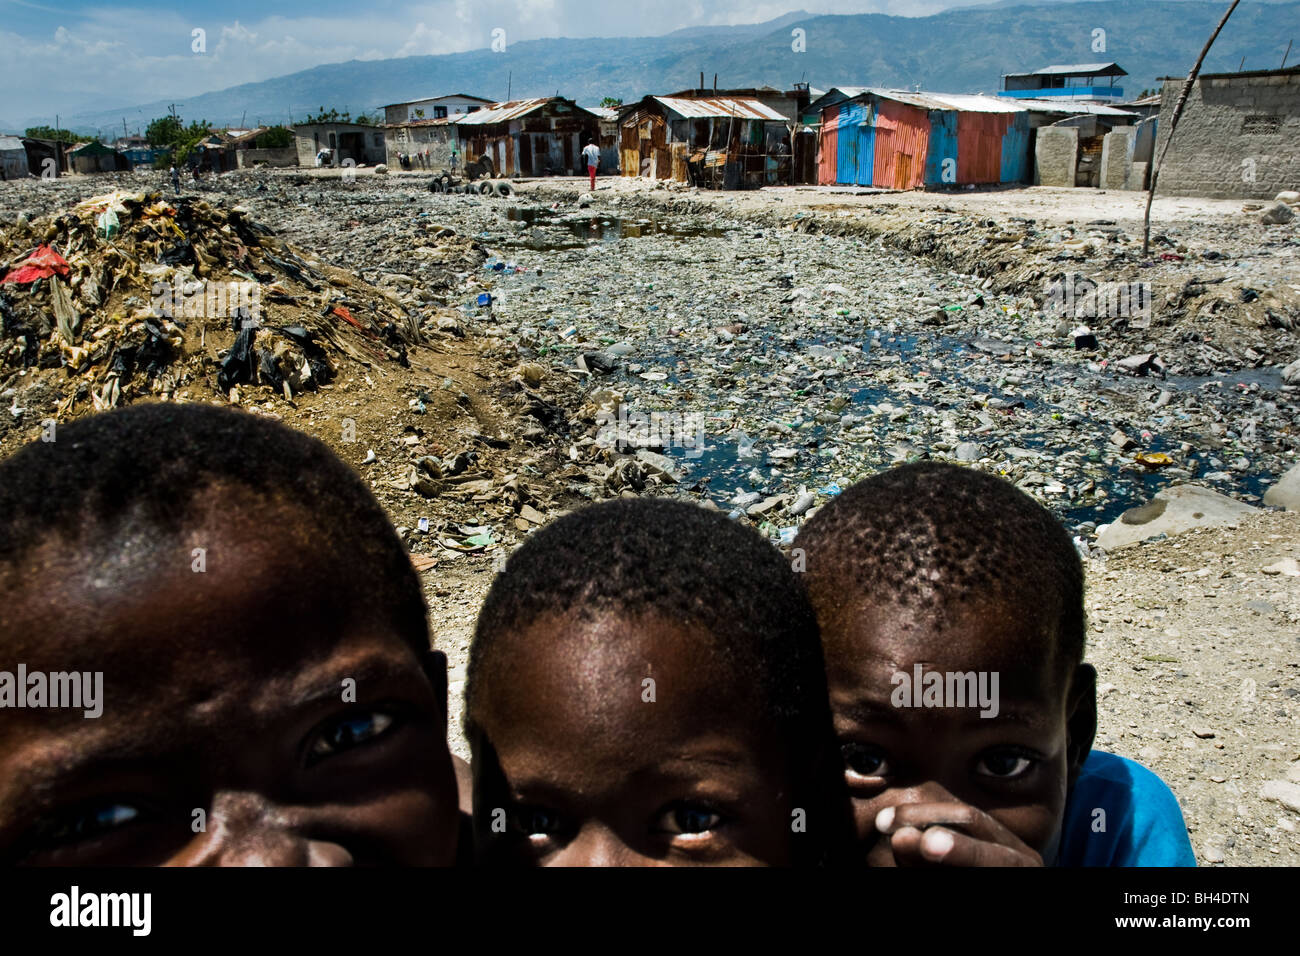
[228, 734]
[994, 785]
[579, 761]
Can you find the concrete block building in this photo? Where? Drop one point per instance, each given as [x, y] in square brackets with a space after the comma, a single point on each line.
[1238, 137]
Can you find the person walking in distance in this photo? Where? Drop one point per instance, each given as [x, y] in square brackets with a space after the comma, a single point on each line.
[592, 152]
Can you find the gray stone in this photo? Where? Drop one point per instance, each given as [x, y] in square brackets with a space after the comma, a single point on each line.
[766, 505]
[658, 464]
[1285, 793]
[1174, 510]
[1291, 374]
[968, 451]
[1276, 214]
[1286, 493]
[1142, 364]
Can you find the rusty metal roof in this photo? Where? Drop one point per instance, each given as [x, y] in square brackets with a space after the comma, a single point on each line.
[715, 107]
[513, 110]
[504, 112]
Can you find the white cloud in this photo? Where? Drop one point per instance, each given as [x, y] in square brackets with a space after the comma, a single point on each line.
[117, 55]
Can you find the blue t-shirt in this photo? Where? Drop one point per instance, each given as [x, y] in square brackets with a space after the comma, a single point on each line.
[1140, 824]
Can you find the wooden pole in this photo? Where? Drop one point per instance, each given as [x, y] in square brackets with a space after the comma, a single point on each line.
[1173, 123]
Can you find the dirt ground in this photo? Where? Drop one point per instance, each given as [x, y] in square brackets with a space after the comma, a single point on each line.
[1197, 650]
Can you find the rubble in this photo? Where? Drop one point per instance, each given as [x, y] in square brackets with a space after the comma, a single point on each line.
[1172, 511]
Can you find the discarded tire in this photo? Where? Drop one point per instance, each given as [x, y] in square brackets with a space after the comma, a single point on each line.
[504, 188]
[485, 188]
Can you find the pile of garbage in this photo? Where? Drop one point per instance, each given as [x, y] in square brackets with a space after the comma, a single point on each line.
[132, 294]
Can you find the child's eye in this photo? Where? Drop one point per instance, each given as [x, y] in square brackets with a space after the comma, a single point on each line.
[537, 821]
[689, 818]
[864, 761]
[84, 823]
[348, 732]
[1005, 765]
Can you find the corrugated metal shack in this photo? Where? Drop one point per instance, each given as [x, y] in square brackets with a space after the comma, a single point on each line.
[13, 158]
[902, 140]
[46, 157]
[898, 139]
[715, 142]
[536, 137]
[95, 157]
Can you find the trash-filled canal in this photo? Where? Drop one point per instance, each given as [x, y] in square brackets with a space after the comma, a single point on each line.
[765, 369]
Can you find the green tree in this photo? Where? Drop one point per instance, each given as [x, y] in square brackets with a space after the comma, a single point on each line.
[189, 138]
[277, 137]
[323, 115]
[164, 131]
[49, 132]
[611, 102]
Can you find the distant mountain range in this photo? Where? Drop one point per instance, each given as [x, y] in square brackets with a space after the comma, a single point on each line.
[960, 50]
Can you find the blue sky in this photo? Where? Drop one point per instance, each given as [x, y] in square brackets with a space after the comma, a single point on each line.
[76, 56]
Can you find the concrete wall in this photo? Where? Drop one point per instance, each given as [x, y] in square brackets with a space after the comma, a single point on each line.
[1238, 137]
[285, 156]
[438, 140]
[1117, 157]
[1145, 141]
[1056, 155]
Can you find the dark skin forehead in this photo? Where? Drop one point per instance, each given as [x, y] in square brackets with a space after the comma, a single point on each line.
[561, 712]
[562, 680]
[213, 679]
[865, 644]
